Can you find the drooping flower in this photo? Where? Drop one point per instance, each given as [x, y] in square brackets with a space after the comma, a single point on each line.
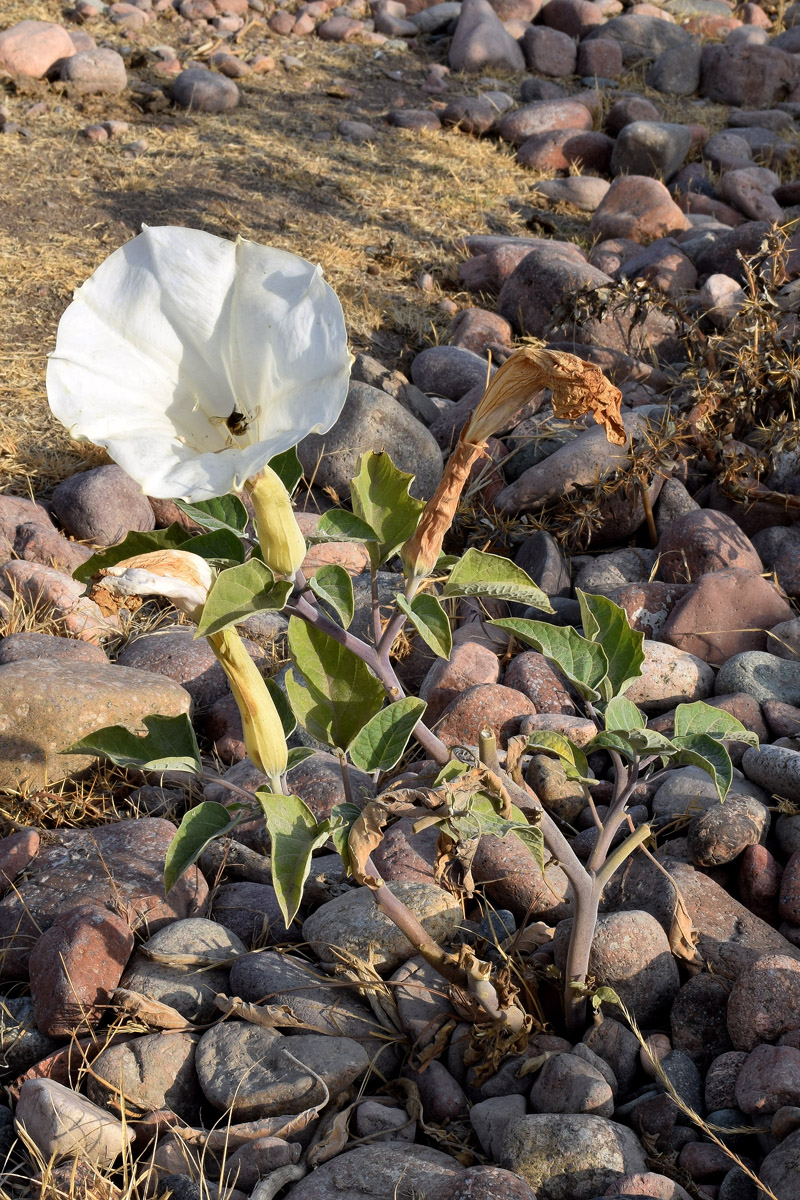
[194, 360]
[182, 577]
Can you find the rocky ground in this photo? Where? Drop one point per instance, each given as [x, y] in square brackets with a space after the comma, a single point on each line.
[620, 184]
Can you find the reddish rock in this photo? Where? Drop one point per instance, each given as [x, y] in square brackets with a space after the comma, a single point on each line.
[703, 541]
[339, 29]
[470, 664]
[531, 674]
[27, 532]
[663, 265]
[648, 1183]
[573, 17]
[30, 48]
[747, 76]
[648, 605]
[601, 58]
[44, 587]
[577, 729]
[628, 109]
[789, 896]
[483, 706]
[768, 1080]
[511, 878]
[542, 116]
[413, 118]
[783, 719]
[637, 207]
[407, 856]
[476, 328]
[470, 114]
[759, 882]
[74, 967]
[725, 613]
[549, 51]
[559, 149]
[17, 852]
[763, 1001]
[544, 278]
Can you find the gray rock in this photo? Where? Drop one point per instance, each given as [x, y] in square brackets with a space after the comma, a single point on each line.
[722, 833]
[581, 191]
[204, 91]
[669, 677]
[104, 504]
[540, 282]
[154, 1072]
[250, 1072]
[96, 72]
[698, 1019]
[437, 17]
[190, 991]
[540, 555]
[673, 502]
[449, 371]
[190, 661]
[650, 148]
[490, 1119]
[372, 420]
[787, 831]
[21, 1043]
[49, 705]
[380, 1123]
[775, 768]
[570, 1157]
[17, 647]
[422, 1006]
[685, 1078]
[356, 924]
[642, 37]
[676, 71]
[383, 1172]
[780, 1170]
[62, 1124]
[690, 790]
[482, 43]
[567, 1084]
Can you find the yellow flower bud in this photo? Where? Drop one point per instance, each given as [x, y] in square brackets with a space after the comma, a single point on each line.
[279, 536]
[263, 731]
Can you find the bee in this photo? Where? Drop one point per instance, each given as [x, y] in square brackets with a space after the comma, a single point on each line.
[237, 423]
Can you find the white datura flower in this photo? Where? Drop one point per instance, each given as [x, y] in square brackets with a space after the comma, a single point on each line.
[194, 360]
[182, 577]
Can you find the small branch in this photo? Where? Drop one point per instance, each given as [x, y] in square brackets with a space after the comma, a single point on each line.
[622, 852]
[347, 779]
[377, 632]
[487, 750]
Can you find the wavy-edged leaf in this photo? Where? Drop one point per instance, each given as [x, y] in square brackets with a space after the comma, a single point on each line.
[430, 621]
[240, 591]
[294, 835]
[703, 751]
[481, 574]
[340, 693]
[222, 512]
[380, 496]
[380, 745]
[548, 741]
[483, 807]
[621, 714]
[298, 754]
[705, 718]
[134, 543]
[583, 662]
[333, 586]
[168, 745]
[200, 826]
[605, 622]
[219, 544]
[339, 525]
[288, 469]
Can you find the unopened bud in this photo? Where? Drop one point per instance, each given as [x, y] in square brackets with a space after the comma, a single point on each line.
[279, 536]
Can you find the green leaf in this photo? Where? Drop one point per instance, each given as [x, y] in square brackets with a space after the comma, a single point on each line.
[340, 695]
[482, 574]
[379, 495]
[703, 751]
[223, 512]
[198, 828]
[430, 621]
[333, 585]
[287, 467]
[382, 741]
[239, 592]
[295, 835]
[284, 708]
[632, 742]
[217, 544]
[485, 809]
[168, 745]
[583, 662]
[451, 770]
[298, 754]
[547, 741]
[134, 543]
[611, 628]
[623, 714]
[705, 718]
[339, 525]
[612, 740]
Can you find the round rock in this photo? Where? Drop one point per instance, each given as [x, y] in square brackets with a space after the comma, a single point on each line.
[570, 1157]
[104, 504]
[763, 1001]
[204, 91]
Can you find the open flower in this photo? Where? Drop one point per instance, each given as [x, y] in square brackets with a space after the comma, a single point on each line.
[194, 360]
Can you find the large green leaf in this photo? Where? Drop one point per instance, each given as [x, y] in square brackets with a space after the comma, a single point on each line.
[198, 828]
[339, 525]
[583, 662]
[333, 585]
[482, 574]
[134, 543]
[380, 744]
[623, 715]
[705, 718]
[288, 469]
[430, 621]
[168, 745]
[634, 742]
[379, 495]
[217, 544]
[605, 622]
[704, 751]
[222, 512]
[548, 741]
[295, 834]
[340, 693]
[239, 592]
[484, 808]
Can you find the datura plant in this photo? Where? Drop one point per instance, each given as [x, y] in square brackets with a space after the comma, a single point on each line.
[199, 364]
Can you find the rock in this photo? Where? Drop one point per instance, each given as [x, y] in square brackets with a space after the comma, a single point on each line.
[573, 17]
[251, 912]
[27, 532]
[117, 865]
[201, 90]
[789, 896]
[639, 208]
[765, 677]
[627, 110]
[104, 504]
[669, 676]
[676, 72]
[762, 1004]
[704, 541]
[374, 1171]
[443, 1099]
[562, 797]
[480, 42]
[513, 880]
[697, 1020]
[780, 1167]
[617, 1046]
[96, 72]
[30, 48]
[339, 29]
[663, 265]
[768, 1080]
[17, 852]
[747, 76]
[549, 51]
[567, 1084]
[470, 114]
[759, 882]
[532, 674]
[720, 1086]
[722, 299]
[570, 1157]
[732, 610]
[542, 116]
[448, 371]
[21, 1043]
[648, 1183]
[74, 967]
[721, 834]
[21, 647]
[49, 705]
[189, 991]
[372, 420]
[631, 954]
[581, 191]
[540, 555]
[258, 1158]
[414, 118]
[61, 1124]
[540, 282]
[560, 149]
[45, 588]
[650, 148]
[750, 190]
[177, 654]
[421, 1006]
[470, 663]
[380, 1123]
[247, 1070]
[357, 132]
[642, 36]
[354, 922]
[490, 1119]
[648, 605]
[476, 328]
[154, 1072]
[685, 1078]
[601, 58]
